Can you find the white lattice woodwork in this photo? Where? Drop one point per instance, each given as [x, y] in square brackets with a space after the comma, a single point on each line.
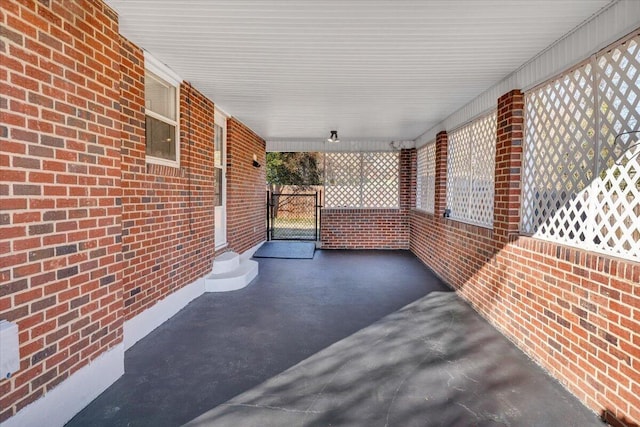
[471, 170]
[426, 178]
[618, 73]
[559, 153]
[362, 180]
[581, 184]
[342, 180]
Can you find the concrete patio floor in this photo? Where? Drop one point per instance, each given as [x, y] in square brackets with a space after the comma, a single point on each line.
[332, 341]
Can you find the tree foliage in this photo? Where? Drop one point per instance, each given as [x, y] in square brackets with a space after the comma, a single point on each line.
[296, 169]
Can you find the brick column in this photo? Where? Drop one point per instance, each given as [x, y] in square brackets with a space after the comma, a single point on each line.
[506, 208]
[408, 179]
[441, 174]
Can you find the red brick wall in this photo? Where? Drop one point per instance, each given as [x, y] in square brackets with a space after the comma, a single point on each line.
[60, 250]
[373, 228]
[576, 313]
[167, 213]
[92, 235]
[246, 194]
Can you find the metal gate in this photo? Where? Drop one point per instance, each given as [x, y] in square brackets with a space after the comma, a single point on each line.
[293, 216]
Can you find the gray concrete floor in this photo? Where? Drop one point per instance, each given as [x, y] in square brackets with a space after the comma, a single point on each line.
[329, 342]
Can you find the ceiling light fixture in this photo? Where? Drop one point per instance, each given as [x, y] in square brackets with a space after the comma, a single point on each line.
[333, 137]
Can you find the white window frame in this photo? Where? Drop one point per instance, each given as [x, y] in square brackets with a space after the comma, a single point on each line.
[220, 120]
[160, 70]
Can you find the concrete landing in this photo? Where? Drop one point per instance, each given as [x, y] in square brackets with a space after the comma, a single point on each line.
[230, 273]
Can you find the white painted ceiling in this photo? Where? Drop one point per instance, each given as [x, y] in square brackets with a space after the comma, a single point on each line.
[374, 70]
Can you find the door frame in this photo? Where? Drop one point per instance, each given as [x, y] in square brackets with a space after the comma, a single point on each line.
[220, 119]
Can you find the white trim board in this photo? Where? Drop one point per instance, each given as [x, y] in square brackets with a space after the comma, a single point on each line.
[344, 146]
[139, 327]
[59, 405]
[62, 403]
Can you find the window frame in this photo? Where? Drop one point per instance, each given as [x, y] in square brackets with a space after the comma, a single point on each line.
[171, 79]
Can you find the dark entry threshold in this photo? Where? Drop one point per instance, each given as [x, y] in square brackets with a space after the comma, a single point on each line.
[411, 366]
[286, 250]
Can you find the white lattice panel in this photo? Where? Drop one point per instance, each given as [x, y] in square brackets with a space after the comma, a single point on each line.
[483, 154]
[458, 172]
[618, 98]
[362, 180]
[582, 186]
[616, 192]
[559, 153]
[426, 178]
[616, 200]
[470, 171]
[380, 180]
[342, 180]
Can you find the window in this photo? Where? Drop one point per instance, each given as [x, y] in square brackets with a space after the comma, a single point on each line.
[218, 165]
[581, 172]
[362, 180]
[470, 171]
[426, 178]
[161, 114]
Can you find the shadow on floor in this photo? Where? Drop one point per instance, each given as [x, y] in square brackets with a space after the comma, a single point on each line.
[224, 344]
[611, 419]
[433, 363]
[332, 341]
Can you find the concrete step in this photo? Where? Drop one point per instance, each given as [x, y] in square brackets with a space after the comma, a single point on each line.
[246, 271]
[226, 262]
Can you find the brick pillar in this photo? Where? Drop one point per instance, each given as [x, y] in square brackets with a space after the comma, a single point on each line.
[506, 209]
[408, 179]
[441, 174]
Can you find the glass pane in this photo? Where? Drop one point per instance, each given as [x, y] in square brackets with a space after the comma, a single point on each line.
[217, 196]
[159, 96]
[218, 146]
[160, 139]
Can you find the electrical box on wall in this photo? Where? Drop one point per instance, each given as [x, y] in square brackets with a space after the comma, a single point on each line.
[9, 349]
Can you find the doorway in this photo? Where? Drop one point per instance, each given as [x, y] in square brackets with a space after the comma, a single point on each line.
[220, 178]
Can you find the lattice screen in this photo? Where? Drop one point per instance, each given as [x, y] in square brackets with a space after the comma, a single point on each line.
[470, 171]
[581, 184]
[362, 180]
[426, 178]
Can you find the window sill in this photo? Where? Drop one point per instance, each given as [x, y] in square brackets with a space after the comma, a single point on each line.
[165, 170]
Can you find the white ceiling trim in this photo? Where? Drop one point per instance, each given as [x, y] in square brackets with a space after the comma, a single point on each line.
[314, 145]
[611, 24]
[161, 70]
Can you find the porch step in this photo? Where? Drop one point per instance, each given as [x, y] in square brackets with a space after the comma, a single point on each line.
[245, 271]
[226, 262]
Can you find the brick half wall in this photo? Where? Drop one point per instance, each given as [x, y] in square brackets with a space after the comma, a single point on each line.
[575, 312]
[364, 229]
[373, 228]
